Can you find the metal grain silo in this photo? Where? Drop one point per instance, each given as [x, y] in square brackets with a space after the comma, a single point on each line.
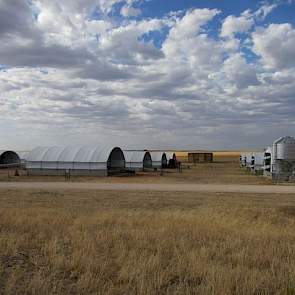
[283, 158]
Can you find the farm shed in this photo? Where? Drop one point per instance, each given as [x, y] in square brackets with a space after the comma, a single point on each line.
[138, 160]
[248, 160]
[171, 160]
[200, 157]
[9, 159]
[75, 160]
[257, 162]
[243, 159]
[159, 159]
[267, 161]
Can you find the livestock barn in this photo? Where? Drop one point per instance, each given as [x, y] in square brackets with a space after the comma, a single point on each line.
[200, 157]
[248, 159]
[9, 159]
[138, 160]
[172, 160]
[75, 160]
[159, 160]
[257, 162]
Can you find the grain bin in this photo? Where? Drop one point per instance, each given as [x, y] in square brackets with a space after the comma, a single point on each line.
[283, 158]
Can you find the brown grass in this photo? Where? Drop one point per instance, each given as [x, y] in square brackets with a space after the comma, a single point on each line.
[146, 243]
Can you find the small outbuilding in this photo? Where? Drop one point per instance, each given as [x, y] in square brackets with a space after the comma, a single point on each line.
[200, 157]
[243, 160]
[138, 160]
[257, 163]
[75, 160]
[159, 160]
[267, 162]
[9, 159]
[248, 159]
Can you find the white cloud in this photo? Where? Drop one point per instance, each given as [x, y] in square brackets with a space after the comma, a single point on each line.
[265, 10]
[129, 11]
[72, 77]
[275, 44]
[233, 25]
[238, 72]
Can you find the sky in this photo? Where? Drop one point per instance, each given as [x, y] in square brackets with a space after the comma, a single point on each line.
[189, 74]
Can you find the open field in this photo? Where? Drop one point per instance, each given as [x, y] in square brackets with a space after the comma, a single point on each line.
[224, 170]
[59, 242]
[61, 237]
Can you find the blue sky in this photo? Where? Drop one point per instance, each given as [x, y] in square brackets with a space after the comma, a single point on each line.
[155, 8]
[147, 73]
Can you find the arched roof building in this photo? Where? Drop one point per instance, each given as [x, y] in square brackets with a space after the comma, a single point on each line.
[159, 159]
[9, 159]
[76, 160]
[138, 160]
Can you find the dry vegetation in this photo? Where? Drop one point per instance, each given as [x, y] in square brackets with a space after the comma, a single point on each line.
[146, 243]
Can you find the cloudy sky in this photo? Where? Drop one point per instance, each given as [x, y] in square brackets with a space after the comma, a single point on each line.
[146, 73]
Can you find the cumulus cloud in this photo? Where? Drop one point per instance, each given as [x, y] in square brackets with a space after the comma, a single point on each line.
[129, 11]
[233, 25]
[275, 45]
[265, 10]
[73, 71]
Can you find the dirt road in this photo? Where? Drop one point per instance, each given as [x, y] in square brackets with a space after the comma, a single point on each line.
[218, 188]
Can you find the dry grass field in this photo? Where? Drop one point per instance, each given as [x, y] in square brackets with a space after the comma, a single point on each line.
[61, 242]
[123, 242]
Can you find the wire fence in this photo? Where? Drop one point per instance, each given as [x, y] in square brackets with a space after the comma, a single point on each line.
[11, 165]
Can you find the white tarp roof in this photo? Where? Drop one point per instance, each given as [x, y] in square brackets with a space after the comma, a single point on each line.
[134, 156]
[157, 156]
[83, 154]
